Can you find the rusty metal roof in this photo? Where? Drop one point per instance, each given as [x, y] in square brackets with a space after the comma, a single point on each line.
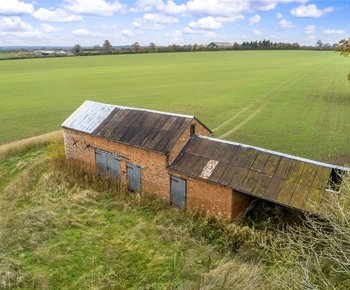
[270, 175]
[158, 131]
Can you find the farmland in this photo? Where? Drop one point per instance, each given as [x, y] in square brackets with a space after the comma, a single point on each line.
[296, 102]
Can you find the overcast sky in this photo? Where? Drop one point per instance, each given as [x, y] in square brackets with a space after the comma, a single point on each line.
[90, 22]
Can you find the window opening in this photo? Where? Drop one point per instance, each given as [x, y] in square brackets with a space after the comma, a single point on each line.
[193, 130]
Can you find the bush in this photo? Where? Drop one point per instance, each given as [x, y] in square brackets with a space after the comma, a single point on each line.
[315, 255]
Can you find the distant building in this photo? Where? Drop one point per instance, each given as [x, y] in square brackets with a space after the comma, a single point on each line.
[50, 52]
[175, 158]
[216, 45]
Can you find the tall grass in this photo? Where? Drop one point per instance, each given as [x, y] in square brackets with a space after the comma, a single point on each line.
[64, 226]
[316, 254]
[29, 143]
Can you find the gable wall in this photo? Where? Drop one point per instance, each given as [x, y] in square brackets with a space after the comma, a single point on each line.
[200, 130]
[154, 174]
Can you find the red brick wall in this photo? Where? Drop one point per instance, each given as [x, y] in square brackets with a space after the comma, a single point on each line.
[154, 174]
[213, 199]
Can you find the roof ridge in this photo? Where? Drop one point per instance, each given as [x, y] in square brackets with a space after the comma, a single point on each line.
[141, 109]
[328, 165]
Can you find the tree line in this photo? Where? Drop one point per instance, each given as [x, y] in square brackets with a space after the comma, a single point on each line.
[107, 47]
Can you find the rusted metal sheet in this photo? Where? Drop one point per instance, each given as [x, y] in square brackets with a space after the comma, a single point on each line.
[153, 130]
[269, 175]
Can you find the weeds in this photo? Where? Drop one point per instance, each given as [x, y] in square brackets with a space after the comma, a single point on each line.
[315, 254]
[64, 226]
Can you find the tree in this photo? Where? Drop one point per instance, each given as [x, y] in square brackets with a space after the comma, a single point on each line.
[136, 47]
[319, 43]
[107, 46]
[152, 47]
[77, 49]
[343, 47]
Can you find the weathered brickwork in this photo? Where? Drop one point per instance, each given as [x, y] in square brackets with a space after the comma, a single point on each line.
[199, 129]
[215, 200]
[154, 174]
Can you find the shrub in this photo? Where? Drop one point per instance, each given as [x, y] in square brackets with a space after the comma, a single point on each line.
[316, 254]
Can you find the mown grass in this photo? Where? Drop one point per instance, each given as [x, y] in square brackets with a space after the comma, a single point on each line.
[61, 227]
[301, 98]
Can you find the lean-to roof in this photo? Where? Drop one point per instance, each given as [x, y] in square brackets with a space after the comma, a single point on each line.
[270, 175]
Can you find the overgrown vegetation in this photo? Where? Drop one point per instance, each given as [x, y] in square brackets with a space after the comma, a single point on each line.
[64, 226]
[316, 254]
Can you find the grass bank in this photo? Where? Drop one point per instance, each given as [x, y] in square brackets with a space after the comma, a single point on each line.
[62, 227]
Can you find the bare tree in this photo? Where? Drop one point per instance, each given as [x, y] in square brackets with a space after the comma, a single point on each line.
[315, 255]
[136, 47]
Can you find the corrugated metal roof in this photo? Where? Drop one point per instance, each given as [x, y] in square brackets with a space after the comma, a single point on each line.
[158, 131]
[88, 117]
[270, 175]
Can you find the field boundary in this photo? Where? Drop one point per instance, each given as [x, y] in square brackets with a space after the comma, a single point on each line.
[29, 142]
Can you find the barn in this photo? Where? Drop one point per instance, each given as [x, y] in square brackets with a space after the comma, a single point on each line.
[219, 45]
[135, 145]
[176, 158]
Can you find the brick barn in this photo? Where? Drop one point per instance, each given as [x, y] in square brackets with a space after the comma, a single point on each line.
[174, 157]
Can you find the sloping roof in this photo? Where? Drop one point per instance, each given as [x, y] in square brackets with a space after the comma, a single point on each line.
[158, 131]
[270, 175]
[221, 44]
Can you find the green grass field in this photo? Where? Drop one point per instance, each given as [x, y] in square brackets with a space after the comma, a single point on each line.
[296, 102]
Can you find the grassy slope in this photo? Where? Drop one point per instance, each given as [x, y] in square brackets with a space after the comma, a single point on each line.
[55, 233]
[300, 100]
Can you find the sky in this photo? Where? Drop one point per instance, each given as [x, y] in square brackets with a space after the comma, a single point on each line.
[165, 22]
